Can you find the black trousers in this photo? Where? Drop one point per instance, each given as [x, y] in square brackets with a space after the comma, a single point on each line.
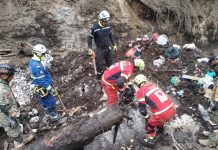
[103, 58]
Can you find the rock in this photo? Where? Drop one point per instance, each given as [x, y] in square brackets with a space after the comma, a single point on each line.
[35, 111]
[125, 34]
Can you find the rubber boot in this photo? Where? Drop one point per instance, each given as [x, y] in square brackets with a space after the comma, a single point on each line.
[148, 142]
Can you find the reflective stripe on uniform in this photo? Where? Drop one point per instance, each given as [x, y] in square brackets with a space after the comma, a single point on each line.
[141, 99]
[151, 91]
[33, 77]
[124, 75]
[121, 66]
[105, 81]
[165, 109]
[101, 29]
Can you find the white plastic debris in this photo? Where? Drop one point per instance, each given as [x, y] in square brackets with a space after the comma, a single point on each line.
[206, 81]
[162, 39]
[34, 130]
[204, 112]
[203, 59]
[35, 111]
[189, 46]
[146, 37]
[30, 113]
[34, 119]
[131, 43]
[177, 46]
[159, 62]
[181, 93]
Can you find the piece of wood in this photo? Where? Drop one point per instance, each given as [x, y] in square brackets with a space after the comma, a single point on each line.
[10, 55]
[73, 110]
[185, 76]
[78, 133]
[5, 50]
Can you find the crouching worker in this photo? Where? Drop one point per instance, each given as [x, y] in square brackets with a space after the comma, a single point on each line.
[118, 77]
[42, 80]
[9, 109]
[156, 107]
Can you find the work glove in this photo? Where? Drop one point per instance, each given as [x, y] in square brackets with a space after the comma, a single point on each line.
[147, 116]
[12, 122]
[91, 53]
[51, 90]
[115, 47]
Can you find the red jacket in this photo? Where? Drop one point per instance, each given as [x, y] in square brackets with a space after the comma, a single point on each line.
[157, 100]
[123, 68]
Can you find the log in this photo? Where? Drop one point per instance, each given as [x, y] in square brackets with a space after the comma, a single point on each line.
[5, 50]
[10, 55]
[79, 132]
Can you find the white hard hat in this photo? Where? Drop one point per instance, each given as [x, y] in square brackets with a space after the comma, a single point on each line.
[104, 15]
[39, 49]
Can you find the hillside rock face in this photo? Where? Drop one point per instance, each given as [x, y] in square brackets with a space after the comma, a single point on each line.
[65, 24]
[199, 18]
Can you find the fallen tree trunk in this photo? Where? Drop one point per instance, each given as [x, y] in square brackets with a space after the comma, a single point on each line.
[79, 132]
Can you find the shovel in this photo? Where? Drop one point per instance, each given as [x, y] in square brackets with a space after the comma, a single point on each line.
[94, 65]
[62, 104]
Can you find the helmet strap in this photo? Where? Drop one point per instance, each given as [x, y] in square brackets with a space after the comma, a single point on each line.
[39, 56]
[141, 84]
[101, 23]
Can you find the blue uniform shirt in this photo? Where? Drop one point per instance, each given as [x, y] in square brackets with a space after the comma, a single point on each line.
[42, 78]
[39, 73]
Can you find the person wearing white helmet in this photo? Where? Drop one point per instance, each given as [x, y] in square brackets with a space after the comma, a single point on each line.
[42, 80]
[117, 78]
[156, 107]
[102, 34]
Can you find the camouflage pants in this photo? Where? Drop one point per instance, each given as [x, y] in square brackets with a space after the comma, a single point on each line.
[5, 124]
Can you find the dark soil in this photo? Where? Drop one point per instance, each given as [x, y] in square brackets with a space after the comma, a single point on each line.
[74, 78]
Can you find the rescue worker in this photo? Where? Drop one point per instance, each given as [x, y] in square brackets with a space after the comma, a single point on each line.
[102, 34]
[156, 107]
[212, 140]
[118, 77]
[9, 108]
[42, 80]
